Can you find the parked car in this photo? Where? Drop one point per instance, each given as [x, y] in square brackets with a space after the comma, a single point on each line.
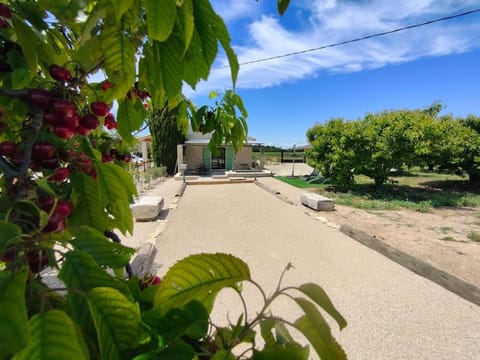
[136, 159]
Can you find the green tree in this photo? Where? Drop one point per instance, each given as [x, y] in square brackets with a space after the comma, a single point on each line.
[166, 135]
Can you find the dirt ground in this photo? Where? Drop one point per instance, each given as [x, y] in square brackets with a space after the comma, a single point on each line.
[439, 237]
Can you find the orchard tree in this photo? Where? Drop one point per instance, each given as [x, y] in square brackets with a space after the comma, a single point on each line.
[65, 191]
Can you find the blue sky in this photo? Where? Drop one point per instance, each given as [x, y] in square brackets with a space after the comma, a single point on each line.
[409, 69]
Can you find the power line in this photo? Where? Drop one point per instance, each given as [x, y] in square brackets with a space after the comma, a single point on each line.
[360, 38]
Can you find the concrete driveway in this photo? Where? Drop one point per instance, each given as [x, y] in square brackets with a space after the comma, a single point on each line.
[391, 312]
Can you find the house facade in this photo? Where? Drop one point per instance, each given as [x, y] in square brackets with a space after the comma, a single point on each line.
[198, 158]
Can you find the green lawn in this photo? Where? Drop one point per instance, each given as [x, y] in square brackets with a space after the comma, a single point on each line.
[418, 191]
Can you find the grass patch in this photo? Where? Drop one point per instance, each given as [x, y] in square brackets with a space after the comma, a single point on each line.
[446, 229]
[474, 236]
[415, 191]
[448, 238]
[299, 182]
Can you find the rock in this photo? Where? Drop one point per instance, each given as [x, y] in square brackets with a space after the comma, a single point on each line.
[317, 202]
[147, 208]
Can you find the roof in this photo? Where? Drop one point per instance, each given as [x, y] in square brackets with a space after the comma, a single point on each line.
[203, 139]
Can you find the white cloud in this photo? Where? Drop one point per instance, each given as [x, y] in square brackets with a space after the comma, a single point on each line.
[332, 21]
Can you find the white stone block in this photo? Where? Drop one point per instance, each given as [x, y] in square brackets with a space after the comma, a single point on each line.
[317, 202]
[147, 208]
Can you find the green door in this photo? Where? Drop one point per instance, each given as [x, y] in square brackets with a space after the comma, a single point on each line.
[229, 158]
[207, 156]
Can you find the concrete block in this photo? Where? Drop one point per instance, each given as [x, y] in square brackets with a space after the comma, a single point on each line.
[147, 208]
[317, 202]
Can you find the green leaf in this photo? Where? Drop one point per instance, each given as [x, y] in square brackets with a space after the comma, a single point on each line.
[28, 40]
[161, 17]
[196, 67]
[20, 78]
[129, 119]
[199, 277]
[282, 6]
[117, 320]
[190, 320]
[121, 7]
[204, 24]
[317, 331]
[119, 56]
[290, 351]
[80, 271]
[53, 336]
[13, 311]
[223, 355]
[8, 232]
[102, 250]
[172, 66]
[188, 21]
[224, 38]
[266, 327]
[179, 351]
[320, 297]
[117, 187]
[86, 198]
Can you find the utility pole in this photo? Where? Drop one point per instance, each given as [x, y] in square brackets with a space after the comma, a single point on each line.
[293, 161]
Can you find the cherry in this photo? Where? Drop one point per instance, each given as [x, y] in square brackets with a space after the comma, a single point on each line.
[106, 158]
[46, 203]
[8, 148]
[64, 107]
[43, 150]
[59, 73]
[89, 121]
[71, 122]
[37, 260]
[100, 108]
[63, 132]
[5, 11]
[40, 97]
[51, 118]
[64, 208]
[56, 223]
[61, 174]
[106, 85]
[4, 23]
[110, 122]
[17, 158]
[82, 130]
[156, 280]
[49, 163]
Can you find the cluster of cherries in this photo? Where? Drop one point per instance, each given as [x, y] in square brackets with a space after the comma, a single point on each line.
[5, 14]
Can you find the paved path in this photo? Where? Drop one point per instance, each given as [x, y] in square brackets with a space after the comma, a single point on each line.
[392, 313]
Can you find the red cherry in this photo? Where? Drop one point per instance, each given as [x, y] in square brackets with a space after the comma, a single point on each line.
[89, 122]
[49, 163]
[51, 118]
[100, 108]
[39, 97]
[156, 280]
[4, 23]
[64, 208]
[71, 122]
[106, 85]
[63, 107]
[63, 132]
[8, 148]
[110, 122]
[127, 158]
[56, 223]
[43, 150]
[106, 158]
[5, 11]
[59, 73]
[46, 203]
[82, 131]
[17, 158]
[61, 174]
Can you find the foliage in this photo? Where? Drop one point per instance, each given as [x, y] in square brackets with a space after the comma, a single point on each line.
[166, 136]
[65, 188]
[375, 145]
